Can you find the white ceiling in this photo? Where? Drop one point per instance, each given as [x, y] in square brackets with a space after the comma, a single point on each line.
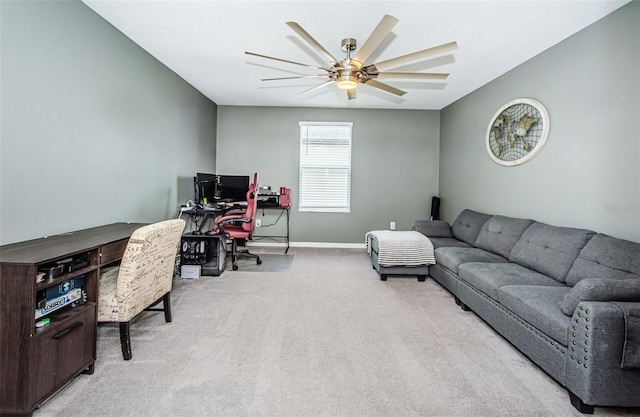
[204, 42]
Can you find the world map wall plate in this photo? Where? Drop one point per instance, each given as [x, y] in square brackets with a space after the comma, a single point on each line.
[517, 132]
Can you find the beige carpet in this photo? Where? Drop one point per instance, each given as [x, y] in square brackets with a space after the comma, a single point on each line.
[324, 338]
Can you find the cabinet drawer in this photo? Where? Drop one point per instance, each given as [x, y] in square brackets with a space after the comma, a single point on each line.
[112, 251]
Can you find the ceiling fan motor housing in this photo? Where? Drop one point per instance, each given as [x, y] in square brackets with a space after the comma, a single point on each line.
[348, 45]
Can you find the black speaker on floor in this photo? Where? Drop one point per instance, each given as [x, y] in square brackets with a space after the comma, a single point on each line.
[435, 208]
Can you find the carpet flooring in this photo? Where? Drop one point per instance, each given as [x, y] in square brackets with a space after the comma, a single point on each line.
[319, 335]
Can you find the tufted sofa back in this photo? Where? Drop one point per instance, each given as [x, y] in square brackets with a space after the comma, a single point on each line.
[550, 250]
[499, 234]
[468, 225]
[606, 257]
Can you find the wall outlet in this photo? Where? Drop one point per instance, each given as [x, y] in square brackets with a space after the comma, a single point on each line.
[258, 222]
[392, 225]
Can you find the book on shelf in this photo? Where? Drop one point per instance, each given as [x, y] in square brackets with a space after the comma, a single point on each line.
[59, 302]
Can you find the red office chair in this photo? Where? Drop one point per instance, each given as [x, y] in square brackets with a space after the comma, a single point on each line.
[238, 226]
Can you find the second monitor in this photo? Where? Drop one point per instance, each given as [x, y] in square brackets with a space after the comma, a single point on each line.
[226, 188]
[232, 187]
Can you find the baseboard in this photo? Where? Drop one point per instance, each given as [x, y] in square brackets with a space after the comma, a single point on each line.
[333, 245]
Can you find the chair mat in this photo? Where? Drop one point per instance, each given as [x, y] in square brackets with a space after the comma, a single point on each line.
[270, 263]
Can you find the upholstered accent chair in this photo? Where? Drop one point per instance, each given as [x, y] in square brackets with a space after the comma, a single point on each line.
[143, 278]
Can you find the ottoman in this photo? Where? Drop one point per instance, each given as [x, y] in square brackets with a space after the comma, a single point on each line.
[400, 253]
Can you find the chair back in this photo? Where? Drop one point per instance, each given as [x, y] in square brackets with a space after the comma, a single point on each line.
[146, 270]
[252, 205]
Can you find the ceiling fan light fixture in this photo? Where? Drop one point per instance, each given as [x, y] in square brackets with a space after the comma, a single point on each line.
[347, 82]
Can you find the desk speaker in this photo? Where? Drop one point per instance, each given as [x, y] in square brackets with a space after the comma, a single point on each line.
[435, 208]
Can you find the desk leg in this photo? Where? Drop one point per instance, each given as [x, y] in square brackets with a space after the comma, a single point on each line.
[287, 250]
[205, 219]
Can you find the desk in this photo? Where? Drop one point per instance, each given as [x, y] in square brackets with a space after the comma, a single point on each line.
[285, 238]
[37, 362]
[201, 216]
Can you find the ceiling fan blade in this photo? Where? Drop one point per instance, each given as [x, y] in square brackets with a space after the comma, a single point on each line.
[317, 87]
[385, 87]
[304, 35]
[351, 94]
[412, 75]
[292, 78]
[415, 56]
[377, 36]
[285, 60]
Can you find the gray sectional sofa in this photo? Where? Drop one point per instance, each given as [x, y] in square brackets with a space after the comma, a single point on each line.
[568, 298]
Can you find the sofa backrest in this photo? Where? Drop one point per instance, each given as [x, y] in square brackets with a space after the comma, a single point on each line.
[432, 228]
[606, 257]
[550, 250]
[499, 234]
[468, 225]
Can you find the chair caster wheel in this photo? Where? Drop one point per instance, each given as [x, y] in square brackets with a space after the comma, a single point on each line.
[258, 261]
[235, 267]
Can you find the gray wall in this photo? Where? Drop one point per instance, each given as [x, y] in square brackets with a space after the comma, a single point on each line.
[94, 129]
[394, 164]
[588, 174]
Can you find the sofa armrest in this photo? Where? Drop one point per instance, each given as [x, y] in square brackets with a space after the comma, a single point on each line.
[432, 228]
[595, 372]
[631, 350]
[601, 289]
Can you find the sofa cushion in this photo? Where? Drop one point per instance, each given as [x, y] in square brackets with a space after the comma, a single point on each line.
[539, 306]
[468, 225]
[549, 250]
[598, 289]
[499, 234]
[447, 241]
[489, 277]
[432, 228]
[452, 257]
[606, 257]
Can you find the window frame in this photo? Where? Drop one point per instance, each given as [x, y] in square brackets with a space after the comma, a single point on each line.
[308, 195]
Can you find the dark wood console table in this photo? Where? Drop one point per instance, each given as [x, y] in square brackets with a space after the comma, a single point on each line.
[36, 362]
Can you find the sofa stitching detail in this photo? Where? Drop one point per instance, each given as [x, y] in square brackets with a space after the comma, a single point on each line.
[575, 356]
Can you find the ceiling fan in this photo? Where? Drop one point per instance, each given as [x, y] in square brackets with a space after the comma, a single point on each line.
[350, 72]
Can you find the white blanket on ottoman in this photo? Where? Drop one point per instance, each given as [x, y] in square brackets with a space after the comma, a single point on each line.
[405, 248]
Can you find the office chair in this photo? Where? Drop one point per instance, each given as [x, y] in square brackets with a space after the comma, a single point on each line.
[239, 225]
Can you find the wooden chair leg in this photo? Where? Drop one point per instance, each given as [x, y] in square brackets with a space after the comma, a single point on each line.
[166, 302]
[125, 340]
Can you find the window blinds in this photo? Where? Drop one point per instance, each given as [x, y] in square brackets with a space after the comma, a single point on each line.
[325, 166]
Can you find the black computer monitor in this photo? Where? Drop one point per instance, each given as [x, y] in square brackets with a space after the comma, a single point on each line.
[232, 187]
[205, 187]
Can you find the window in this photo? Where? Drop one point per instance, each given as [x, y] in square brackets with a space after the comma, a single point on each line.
[325, 166]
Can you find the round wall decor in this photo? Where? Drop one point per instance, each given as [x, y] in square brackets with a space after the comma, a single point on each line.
[517, 132]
